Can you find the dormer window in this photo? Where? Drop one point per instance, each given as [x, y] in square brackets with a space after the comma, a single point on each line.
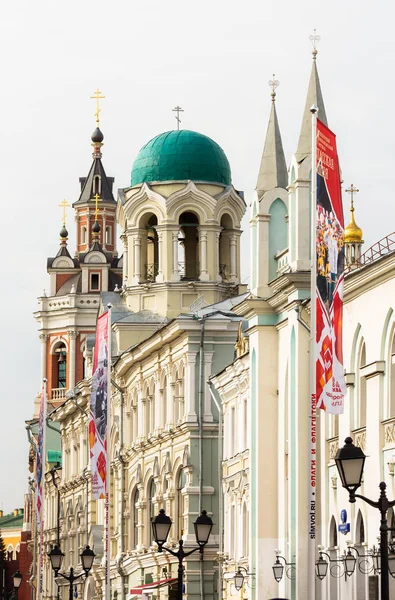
[95, 282]
[97, 185]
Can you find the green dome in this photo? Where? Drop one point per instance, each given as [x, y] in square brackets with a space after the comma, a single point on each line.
[181, 155]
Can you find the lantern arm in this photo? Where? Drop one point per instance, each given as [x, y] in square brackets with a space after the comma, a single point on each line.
[180, 553]
[71, 578]
[353, 496]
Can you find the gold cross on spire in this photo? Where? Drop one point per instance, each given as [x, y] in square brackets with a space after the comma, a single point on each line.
[177, 109]
[352, 190]
[314, 39]
[64, 204]
[97, 200]
[273, 83]
[97, 96]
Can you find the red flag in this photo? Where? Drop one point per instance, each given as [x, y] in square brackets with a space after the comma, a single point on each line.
[98, 419]
[330, 383]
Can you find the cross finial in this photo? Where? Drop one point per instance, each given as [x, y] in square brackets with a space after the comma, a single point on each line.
[273, 83]
[177, 109]
[97, 200]
[96, 96]
[64, 204]
[352, 190]
[314, 39]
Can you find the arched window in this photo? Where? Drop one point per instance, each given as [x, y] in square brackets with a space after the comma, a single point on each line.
[59, 366]
[360, 530]
[135, 532]
[181, 481]
[83, 235]
[108, 235]
[333, 533]
[392, 380]
[361, 420]
[278, 236]
[188, 257]
[225, 257]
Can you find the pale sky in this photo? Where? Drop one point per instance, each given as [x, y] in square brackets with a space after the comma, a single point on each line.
[214, 58]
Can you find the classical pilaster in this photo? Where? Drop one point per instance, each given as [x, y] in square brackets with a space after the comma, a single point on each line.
[124, 240]
[137, 259]
[190, 388]
[72, 338]
[159, 278]
[233, 257]
[43, 340]
[175, 275]
[204, 275]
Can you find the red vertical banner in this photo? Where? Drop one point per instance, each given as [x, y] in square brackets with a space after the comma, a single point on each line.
[98, 418]
[40, 484]
[330, 382]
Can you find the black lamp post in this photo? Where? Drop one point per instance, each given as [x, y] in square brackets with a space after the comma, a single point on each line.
[350, 461]
[17, 580]
[56, 557]
[161, 526]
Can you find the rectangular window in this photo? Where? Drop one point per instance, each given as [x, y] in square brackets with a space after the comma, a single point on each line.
[95, 281]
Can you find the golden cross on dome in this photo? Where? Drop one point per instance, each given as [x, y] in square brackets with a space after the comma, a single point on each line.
[274, 83]
[97, 95]
[314, 38]
[352, 190]
[97, 200]
[64, 204]
[178, 109]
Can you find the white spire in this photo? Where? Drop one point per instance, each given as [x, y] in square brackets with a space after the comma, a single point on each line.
[314, 96]
[273, 169]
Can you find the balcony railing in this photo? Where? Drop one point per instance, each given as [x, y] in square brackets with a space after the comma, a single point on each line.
[151, 271]
[58, 393]
[189, 270]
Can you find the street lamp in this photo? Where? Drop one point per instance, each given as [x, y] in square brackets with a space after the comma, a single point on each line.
[17, 580]
[161, 527]
[239, 578]
[56, 557]
[278, 568]
[350, 461]
[348, 562]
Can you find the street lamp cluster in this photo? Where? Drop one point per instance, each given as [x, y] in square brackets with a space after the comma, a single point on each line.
[350, 462]
[56, 557]
[161, 528]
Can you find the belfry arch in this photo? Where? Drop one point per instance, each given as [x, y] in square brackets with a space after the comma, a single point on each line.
[188, 246]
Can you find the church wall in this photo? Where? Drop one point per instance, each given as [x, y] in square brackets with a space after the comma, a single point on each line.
[370, 290]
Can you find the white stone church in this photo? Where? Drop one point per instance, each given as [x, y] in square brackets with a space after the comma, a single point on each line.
[210, 381]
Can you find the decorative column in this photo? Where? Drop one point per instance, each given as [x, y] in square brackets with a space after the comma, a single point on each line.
[233, 257]
[137, 259]
[217, 268]
[190, 389]
[159, 278]
[175, 275]
[72, 338]
[140, 411]
[43, 340]
[124, 240]
[204, 276]
[88, 230]
[104, 229]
